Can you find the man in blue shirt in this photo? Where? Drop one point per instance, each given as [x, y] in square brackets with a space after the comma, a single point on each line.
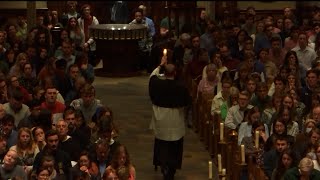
[148, 20]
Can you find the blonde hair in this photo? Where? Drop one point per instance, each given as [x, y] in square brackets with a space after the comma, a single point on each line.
[306, 164]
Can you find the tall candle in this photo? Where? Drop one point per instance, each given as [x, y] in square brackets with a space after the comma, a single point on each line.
[210, 169]
[243, 158]
[164, 52]
[223, 174]
[223, 171]
[256, 142]
[221, 131]
[219, 163]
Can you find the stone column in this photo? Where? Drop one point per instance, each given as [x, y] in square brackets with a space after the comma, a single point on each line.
[31, 14]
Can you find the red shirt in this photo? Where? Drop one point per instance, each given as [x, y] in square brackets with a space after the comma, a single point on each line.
[57, 108]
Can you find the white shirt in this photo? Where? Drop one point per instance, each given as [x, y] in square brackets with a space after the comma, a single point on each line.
[305, 56]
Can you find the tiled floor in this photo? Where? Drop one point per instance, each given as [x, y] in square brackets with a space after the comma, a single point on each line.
[129, 100]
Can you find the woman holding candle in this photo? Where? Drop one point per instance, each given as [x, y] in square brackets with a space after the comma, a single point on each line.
[252, 116]
[249, 142]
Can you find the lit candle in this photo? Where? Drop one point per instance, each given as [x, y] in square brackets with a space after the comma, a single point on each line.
[219, 163]
[223, 174]
[243, 158]
[165, 52]
[210, 169]
[221, 131]
[257, 139]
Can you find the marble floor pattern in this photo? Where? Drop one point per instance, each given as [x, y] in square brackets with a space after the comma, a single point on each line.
[129, 100]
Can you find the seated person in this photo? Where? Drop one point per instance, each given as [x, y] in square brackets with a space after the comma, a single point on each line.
[62, 161]
[271, 157]
[287, 161]
[66, 142]
[209, 84]
[8, 130]
[51, 103]
[16, 108]
[245, 129]
[9, 169]
[304, 170]
[88, 104]
[85, 165]
[235, 114]
[249, 143]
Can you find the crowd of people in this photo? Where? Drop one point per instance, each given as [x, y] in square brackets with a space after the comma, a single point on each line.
[264, 73]
[52, 126]
[263, 70]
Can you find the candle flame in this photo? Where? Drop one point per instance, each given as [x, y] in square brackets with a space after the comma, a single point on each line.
[165, 52]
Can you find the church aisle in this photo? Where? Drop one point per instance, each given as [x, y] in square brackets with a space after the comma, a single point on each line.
[129, 100]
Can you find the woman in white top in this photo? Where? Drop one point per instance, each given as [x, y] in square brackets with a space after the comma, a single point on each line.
[252, 116]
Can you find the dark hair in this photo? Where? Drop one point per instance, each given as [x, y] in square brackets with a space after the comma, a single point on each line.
[255, 125]
[8, 118]
[279, 119]
[50, 133]
[286, 59]
[16, 94]
[282, 138]
[275, 38]
[137, 10]
[45, 119]
[249, 113]
[280, 170]
[279, 78]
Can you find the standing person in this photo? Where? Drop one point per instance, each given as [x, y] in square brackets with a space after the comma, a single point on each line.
[144, 44]
[71, 11]
[169, 97]
[148, 20]
[85, 21]
[119, 12]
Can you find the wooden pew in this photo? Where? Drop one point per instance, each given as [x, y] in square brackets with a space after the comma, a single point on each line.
[194, 90]
[255, 172]
[207, 121]
[214, 137]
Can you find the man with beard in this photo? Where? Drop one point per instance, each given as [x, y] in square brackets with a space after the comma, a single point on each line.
[88, 104]
[146, 43]
[7, 129]
[77, 135]
[16, 108]
[51, 103]
[62, 162]
[169, 98]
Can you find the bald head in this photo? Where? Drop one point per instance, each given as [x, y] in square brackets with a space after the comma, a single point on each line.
[144, 9]
[170, 70]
